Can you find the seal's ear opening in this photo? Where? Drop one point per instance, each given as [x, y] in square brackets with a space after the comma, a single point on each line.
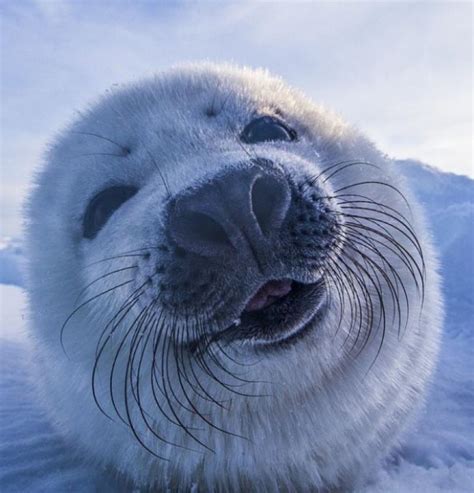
[102, 206]
[266, 129]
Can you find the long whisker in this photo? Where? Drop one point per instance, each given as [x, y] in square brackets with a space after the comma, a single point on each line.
[125, 150]
[85, 303]
[374, 182]
[95, 281]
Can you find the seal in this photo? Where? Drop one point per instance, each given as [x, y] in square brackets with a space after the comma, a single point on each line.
[230, 288]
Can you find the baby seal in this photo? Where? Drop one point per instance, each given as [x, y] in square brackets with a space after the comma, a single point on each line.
[230, 288]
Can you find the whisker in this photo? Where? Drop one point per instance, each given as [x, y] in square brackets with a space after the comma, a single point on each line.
[373, 182]
[125, 150]
[82, 305]
[108, 274]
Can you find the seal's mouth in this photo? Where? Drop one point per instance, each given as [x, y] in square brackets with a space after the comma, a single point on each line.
[269, 293]
[279, 311]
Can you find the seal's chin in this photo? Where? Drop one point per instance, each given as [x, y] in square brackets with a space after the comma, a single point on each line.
[279, 312]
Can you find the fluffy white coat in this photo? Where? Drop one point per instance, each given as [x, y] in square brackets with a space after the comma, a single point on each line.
[324, 420]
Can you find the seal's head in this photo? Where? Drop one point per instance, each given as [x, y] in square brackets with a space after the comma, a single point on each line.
[229, 287]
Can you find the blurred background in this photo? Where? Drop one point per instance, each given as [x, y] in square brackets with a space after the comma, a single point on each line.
[400, 71]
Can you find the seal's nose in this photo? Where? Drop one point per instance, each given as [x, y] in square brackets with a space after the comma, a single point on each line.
[239, 209]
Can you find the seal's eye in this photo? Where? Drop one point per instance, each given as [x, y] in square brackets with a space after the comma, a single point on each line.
[267, 128]
[102, 206]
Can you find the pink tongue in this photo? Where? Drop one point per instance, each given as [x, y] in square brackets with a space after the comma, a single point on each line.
[267, 294]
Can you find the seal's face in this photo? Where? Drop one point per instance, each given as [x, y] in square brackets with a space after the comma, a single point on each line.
[237, 249]
[215, 234]
[241, 250]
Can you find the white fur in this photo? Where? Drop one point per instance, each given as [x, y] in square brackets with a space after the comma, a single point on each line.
[324, 422]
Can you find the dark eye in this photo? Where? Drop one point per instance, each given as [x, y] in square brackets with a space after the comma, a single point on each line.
[267, 128]
[102, 206]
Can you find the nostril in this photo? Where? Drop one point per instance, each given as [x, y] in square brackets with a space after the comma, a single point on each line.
[270, 201]
[201, 227]
[197, 232]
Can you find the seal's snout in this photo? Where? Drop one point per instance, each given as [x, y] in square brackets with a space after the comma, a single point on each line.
[237, 210]
[250, 242]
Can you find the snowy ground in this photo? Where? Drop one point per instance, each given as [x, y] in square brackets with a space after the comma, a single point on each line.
[437, 457]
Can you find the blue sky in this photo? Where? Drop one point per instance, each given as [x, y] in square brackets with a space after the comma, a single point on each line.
[400, 71]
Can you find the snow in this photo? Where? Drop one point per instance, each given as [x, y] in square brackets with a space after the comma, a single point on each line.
[438, 456]
[33, 457]
[10, 262]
